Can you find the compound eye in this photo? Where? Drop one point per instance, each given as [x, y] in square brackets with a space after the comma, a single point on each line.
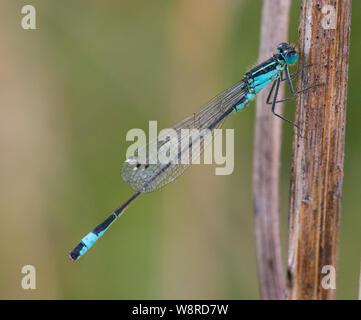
[281, 46]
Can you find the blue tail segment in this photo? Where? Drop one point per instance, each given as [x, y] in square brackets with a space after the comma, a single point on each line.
[99, 230]
[92, 237]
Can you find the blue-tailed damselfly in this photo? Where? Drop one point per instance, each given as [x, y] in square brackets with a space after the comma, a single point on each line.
[149, 177]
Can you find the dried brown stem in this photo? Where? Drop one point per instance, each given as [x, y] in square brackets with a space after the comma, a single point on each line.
[318, 152]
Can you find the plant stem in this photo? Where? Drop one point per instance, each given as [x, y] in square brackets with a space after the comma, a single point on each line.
[267, 146]
[318, 147]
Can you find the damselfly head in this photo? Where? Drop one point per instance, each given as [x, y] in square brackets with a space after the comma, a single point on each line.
[288, 52]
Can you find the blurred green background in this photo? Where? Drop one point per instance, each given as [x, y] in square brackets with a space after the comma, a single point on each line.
[69, 93]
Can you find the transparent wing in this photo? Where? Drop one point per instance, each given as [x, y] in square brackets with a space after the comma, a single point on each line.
[138, 173]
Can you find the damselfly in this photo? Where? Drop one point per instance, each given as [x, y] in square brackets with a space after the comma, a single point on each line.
[152, 176]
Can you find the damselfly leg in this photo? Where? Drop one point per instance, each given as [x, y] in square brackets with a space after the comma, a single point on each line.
[276, 84]
[290, 85]
[293, 76]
